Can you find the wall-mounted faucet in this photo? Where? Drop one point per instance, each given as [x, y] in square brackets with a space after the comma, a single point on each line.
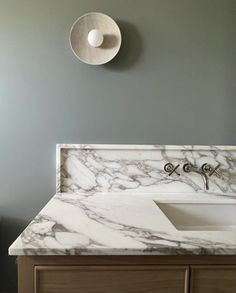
[205, 171]
[188, 167]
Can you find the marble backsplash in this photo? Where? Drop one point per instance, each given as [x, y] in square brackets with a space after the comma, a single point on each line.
[140, 168]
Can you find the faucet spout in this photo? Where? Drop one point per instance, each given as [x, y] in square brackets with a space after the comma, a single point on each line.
[204, 177]
[190, 168]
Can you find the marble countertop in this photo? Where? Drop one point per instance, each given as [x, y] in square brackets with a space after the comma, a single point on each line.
[118, 224]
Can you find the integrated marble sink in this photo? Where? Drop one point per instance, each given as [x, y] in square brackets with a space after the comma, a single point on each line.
[200, 216]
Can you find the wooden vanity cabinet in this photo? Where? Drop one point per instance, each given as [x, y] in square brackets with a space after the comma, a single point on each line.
[127, 274]
[209, 279]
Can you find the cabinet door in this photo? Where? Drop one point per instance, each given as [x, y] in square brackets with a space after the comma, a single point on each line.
[111, 279]
[213, 279]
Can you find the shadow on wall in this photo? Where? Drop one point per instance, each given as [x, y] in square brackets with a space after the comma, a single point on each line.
[131, 48]
[9, 228]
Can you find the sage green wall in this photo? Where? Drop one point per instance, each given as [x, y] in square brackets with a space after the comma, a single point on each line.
[172, 83]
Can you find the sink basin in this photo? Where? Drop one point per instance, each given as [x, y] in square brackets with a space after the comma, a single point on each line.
[200, 216]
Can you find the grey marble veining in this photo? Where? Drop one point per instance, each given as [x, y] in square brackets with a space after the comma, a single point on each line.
[105, 202]
[112, 223]
[125, 168]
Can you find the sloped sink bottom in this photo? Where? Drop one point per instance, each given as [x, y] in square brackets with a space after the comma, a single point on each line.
[200, 216]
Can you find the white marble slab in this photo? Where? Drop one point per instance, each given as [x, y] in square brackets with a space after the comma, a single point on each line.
[128, 168]
[120, 224]
[105, 202]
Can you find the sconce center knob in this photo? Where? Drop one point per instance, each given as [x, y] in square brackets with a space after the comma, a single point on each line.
[95, 38]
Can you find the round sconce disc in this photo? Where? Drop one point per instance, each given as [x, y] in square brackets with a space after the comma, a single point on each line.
[95, 38]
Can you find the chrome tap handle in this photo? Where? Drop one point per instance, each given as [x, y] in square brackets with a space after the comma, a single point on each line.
[207, 168]
[214, 170]
[170, 168]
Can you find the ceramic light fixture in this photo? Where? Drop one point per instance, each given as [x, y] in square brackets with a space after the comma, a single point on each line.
[95, 38]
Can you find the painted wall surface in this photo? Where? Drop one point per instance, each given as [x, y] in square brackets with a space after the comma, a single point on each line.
[173, 82]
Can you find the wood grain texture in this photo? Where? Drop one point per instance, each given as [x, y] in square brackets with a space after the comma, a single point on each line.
[114, 279]
[132, 259]
[25, 275]
[213, 279]
[220, 269]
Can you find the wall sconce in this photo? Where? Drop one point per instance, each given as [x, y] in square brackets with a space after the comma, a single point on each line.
[95, 38]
